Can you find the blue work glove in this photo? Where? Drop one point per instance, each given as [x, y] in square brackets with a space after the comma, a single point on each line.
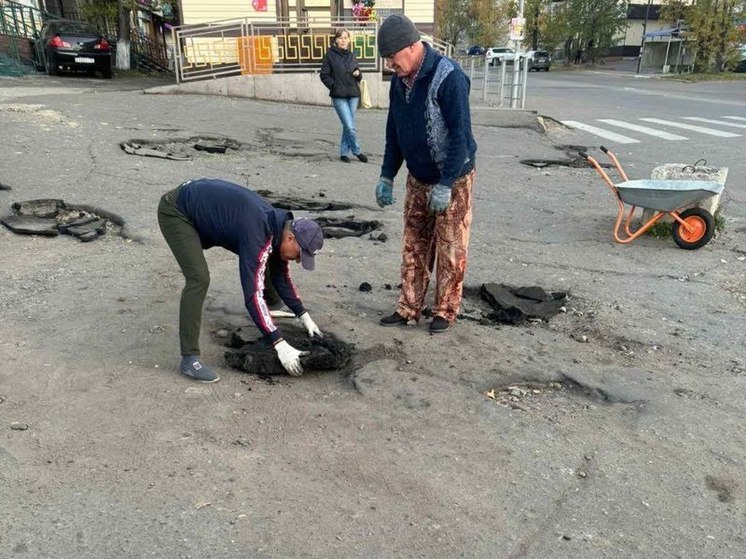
[440, 199]
[385, 192]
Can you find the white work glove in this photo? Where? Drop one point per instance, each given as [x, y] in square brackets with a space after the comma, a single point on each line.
[310, 325]
[290, 357]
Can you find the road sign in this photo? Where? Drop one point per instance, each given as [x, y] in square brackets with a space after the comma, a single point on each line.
[517, 25]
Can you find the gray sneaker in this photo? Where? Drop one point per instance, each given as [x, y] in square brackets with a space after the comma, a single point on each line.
[192, 366]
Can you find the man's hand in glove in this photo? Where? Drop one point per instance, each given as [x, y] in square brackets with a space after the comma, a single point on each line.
[440, 199]
[385, 192]
[310, 325]
[290, 357]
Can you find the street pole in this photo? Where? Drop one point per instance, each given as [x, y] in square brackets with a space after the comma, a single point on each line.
[516, 58]
[644, 30]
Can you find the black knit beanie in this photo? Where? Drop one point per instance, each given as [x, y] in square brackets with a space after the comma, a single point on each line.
[396, 32]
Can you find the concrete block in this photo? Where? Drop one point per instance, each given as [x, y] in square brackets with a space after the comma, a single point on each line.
[682, 171]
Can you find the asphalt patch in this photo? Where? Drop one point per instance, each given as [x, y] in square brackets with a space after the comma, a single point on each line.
[51, 217]
[257, 356]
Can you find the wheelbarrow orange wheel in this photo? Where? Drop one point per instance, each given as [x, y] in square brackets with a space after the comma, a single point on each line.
[701, 228]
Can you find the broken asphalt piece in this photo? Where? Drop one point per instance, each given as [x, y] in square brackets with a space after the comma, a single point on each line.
[365, 287]
[335, 228]
[134, 148]
[50, 217]
[514, 305]
[379, 236]
[18, 426]
[257, 356]
[24, 225]
[296, 204]
[45, 207]
[5, 187]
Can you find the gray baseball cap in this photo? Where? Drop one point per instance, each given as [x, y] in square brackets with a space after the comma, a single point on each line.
[310, 239]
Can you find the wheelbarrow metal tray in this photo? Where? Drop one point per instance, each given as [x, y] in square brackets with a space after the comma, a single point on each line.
[666, 195]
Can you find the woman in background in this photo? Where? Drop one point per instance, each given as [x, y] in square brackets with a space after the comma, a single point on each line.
[341, 75]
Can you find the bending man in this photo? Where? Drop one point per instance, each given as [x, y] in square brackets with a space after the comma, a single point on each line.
[204, 213]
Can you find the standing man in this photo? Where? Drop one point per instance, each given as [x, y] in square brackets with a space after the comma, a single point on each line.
[429, 128]
[204, 213]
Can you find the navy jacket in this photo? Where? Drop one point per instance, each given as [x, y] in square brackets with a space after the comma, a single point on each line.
[239, 220]
[431, 130]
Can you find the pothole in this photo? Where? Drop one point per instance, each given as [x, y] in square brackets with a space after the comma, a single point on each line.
[492, 303]
[52, 217]
[335, 228]
[182, 149]
[302, 204]
[576, 162]
[257, 356]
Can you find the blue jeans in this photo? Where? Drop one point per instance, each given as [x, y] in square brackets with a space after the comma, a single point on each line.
[346, 109]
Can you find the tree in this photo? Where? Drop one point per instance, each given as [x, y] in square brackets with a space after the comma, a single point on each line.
[595, 24]
[554, 26]
[452, 20]
[713, 26]
[489, 21]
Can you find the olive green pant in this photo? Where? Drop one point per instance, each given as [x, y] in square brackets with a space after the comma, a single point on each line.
[184, 242]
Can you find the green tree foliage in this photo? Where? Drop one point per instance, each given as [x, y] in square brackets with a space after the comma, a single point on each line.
[452, 20]
[489, 21]
[713, 26]
[595, 24]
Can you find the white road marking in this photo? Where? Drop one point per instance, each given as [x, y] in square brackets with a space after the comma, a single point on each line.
[700, 129]
[713, 121]
[642, 129]
[736, 118]
[608, 134]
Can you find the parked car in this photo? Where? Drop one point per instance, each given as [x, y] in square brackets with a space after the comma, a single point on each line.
[475, 51]
[495, 55]
[71, 46]
[538, 60]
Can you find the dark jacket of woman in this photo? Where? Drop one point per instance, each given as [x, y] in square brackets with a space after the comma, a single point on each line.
[336, 73]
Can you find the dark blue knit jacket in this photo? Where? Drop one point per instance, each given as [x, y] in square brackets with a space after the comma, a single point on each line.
[431, 130]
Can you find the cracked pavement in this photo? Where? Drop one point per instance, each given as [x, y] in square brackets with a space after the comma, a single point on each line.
[625, 438]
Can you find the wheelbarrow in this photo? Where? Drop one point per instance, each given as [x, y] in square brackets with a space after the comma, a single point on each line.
[692, 228]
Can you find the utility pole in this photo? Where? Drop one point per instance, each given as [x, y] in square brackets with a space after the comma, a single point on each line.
[644, 31]
[516, 59]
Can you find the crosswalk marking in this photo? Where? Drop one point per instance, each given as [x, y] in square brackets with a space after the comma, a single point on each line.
[613, 136]
[713, 121]
[644, 129]
[736, 118]
[701, 129]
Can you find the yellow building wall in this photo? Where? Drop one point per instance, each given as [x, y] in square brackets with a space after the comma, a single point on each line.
[203, 11]
[420, 11]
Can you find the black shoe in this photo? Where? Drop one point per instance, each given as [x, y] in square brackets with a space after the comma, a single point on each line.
[344, 158]
[362, 157]
[394, 320]
[438, 325]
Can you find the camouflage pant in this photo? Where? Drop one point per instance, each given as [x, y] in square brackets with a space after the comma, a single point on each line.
[441, 240]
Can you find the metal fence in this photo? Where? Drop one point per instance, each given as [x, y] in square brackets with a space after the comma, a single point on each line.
[236, 47]
[503, 85]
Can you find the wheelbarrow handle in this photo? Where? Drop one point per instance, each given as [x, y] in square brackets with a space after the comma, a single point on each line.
[583, 154]
[604, 149]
